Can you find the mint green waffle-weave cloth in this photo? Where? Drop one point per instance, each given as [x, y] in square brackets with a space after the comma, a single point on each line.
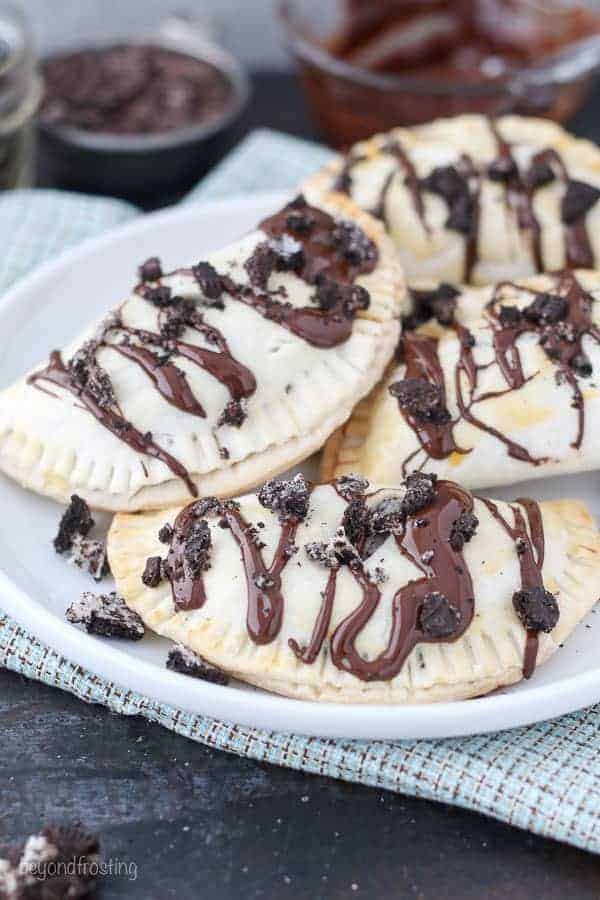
[544, 778]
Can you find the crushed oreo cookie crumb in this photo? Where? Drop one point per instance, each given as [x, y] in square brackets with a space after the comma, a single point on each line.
[183, 660]
[453, 187]
[462, 530]
[89, 555]
[438, 617]
[106, 615]
[503, 169]
[288, 498]
[165, 534]
[421, 399]
[151, 270]
[59, 862]
[352, 244]
[76, 520]
[420, 491]
[87, 375]
[439, 303]
[153, 572]
[209, 280]
[350, 486]
[577, 201]
[540, 174]
[581, 365]
[547, 309]
[510, 316]
[261, 265]
[388, 516]
[159, 296]
[537, 608]
[234, 415]
[196, 549]
[355, 522]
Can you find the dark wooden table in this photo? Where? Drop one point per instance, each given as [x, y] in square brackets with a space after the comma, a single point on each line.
[197, 823]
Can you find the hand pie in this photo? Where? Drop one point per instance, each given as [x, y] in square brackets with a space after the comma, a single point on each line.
[212, 378]
[471, 199]
[350, 593]
[503, 385]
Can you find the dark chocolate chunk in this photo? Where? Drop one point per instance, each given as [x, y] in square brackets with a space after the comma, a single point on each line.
[234, 414]
[106, 615]
[211, 283]
[160, 296]
[463, 530]
[438, 617]
[89, 376]
[581, 365]
[453, 187]
[547, 309]
[352, 244]
[261, 265]
[539, 175]
[510, 316]
[183, 660]
[151, 270]
[420, 492]
[152, 574]
[421, 399]
[196, 550]
[76, 520]
[503, 169]
[577, 201]
[287, 498]
[165, 535]
[89, 555]
[537, 608]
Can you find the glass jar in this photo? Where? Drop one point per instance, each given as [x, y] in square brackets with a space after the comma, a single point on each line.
[20, 94]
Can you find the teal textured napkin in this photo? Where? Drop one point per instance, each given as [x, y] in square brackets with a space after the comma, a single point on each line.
[545, 778]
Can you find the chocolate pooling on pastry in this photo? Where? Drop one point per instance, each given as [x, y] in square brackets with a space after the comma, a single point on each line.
[301, 239]
[560, 318]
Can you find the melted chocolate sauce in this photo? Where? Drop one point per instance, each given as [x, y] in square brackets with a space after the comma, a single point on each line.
[447, 572]
[57, 373]
[562, 342]
[520, 191]
[338, 251]
[530, 554]
[421, 358]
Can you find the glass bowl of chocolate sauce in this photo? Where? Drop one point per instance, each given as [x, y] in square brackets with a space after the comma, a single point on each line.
[141, 118]
[369, 65]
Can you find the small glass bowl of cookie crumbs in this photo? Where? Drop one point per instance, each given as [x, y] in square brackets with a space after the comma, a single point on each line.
[140, 117]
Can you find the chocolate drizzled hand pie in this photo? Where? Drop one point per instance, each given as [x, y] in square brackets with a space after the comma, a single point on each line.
[213, 378]
[477, 200]
[350, 592]
[507, 389]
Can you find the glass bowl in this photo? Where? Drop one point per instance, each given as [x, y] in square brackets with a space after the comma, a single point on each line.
[349, 103]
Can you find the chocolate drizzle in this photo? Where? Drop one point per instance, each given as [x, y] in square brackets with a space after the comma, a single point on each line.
[454, 184]
[561, 319]
[324, 252]
[446, 573]
[436, 606]
[529, 544]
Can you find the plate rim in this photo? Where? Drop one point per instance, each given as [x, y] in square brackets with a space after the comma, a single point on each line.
[268, 711]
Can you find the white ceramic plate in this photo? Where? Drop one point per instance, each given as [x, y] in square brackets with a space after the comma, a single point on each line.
[50, 307]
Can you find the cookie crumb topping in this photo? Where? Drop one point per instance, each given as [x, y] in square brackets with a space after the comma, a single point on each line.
[537, 608]
[577, 201]
[89, 555]
[352, 485]
[288, 498]
[76, 521]
[463, 529]
[151, 270]
[106, 615]
[197, 549]
[183, 660]
[152, 574]
[438, 617]
[421, 399]
[209, 280]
